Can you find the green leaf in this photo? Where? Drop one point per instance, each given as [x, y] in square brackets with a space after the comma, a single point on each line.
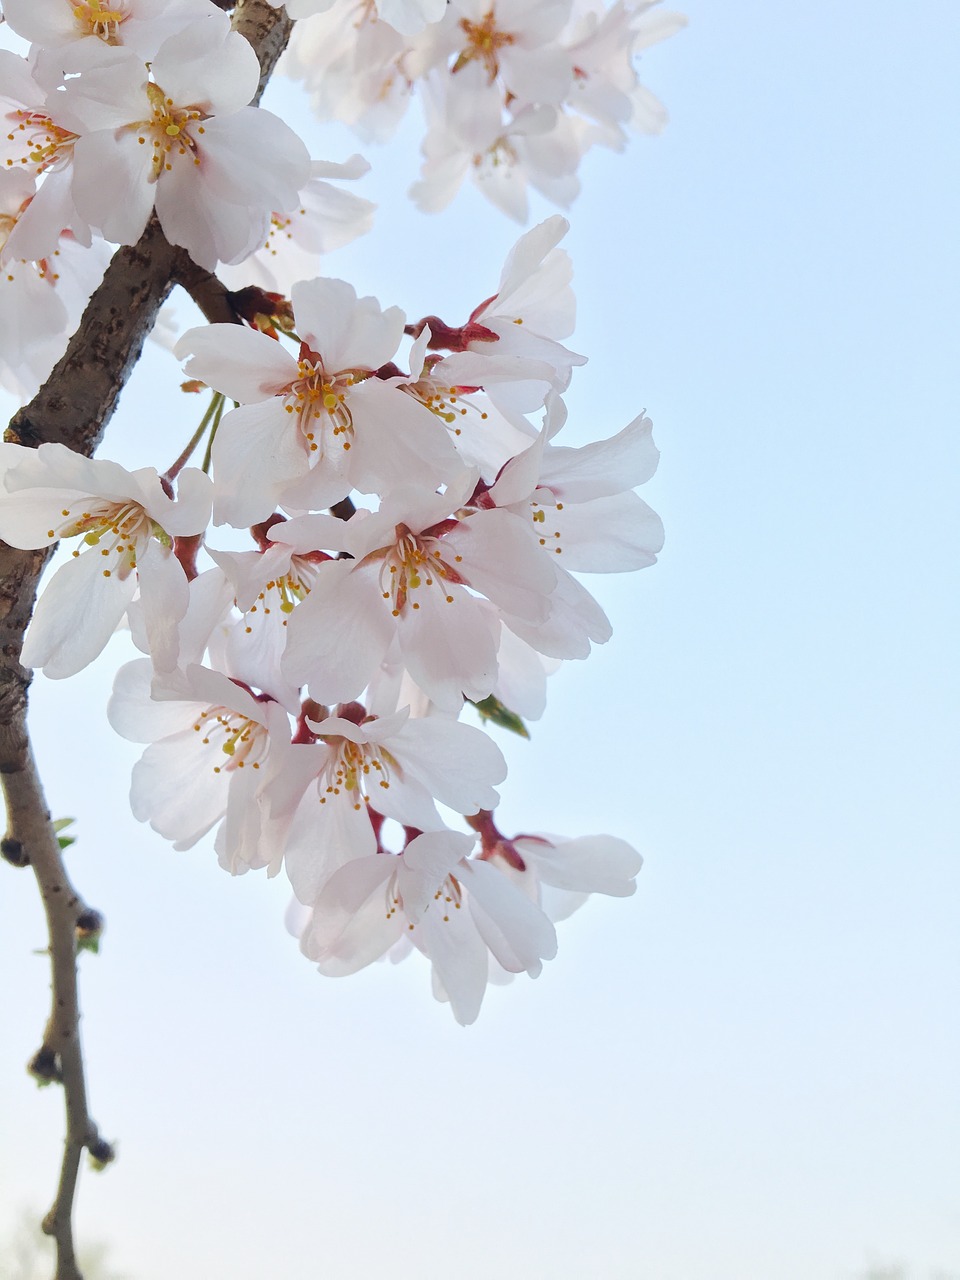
[61, 824]
[493, 709]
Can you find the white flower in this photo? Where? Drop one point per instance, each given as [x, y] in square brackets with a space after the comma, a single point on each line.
[210, 739]
[268, 585]
[42, 296]
[141, 24]
[414, 578]
[361, 768]
[559, 873]
[184, 142]
[353, 65]
[456, 910]
[312, 429]
[468, 135]
[126, 522]
[326, 219]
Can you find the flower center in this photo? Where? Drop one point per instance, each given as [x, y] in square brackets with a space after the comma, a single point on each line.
[483, 42]
[415, 563]
[99, 20]
[243, 741]
[45, 144]
[354, 769]
[319, 400]
[170, 131]
[446, 403]
[284, 592]
[116, 529]
[448, 894]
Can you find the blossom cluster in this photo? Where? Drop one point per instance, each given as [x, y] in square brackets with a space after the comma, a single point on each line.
[299, 694]
[316, 687]
[515, 92]
[140, 108]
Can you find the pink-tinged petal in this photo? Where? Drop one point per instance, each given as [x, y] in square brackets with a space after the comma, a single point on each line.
[340, 634]
[409, 804]
[450, 648]
[459, 957]
[608, 535]
[243, 840]
[257, 451]
[326, 833]
[208, 54]
[585, 864]
[54, 466]
[175, 789]
[347, 332]
[253, 158]
[111, 184]
[75, 616]
[503, 560]
[575, 620]
[109, 93]
[164, 596]
[603, 467]
[26, 515]
[304, 534]
[397, 441]
[409, 17]
[242, 363]
[514, 928]
[456, 763]
[190, 513]
[186, 216]
[427, 861]
[519, 285]
[51, 212]
[522, 678]
[518, 479]
[134, 714]
[46, 22]
[537, 75]
[351, 925]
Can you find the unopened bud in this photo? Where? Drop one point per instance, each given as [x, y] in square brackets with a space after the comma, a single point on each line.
[13, 852]
[89, 928]
[101, 1153]
[44, 1066]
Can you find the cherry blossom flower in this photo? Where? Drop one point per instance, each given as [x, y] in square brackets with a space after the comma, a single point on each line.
[558, 872]
[354, 67]
[327, 218]
[362, 768]
[468, 136]
[140, 24]
[126, 522]
[455, 909]
[37, 142]
[184, 142]
[414, 577]
[311, 430]
[209, 741]
[268, 585]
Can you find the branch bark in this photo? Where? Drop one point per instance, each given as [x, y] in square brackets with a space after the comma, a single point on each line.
[73, 408]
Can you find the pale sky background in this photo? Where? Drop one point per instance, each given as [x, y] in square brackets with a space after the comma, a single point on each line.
[748, 1071]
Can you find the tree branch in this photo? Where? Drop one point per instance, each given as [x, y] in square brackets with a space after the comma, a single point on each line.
[73, 408]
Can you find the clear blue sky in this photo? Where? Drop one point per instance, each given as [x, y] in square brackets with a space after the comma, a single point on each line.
[748, 1071]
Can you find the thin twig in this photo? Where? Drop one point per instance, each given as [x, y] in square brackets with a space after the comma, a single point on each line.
[60, 1056]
